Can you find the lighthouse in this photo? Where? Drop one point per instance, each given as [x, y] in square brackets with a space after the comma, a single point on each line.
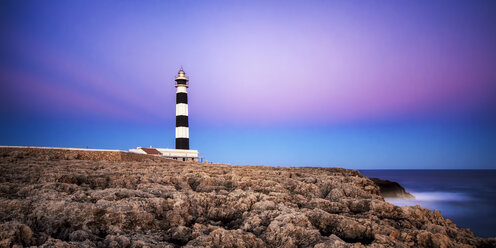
[182, 127]
[182, 151]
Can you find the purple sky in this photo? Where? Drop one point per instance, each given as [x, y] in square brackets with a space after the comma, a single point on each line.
[306, 72]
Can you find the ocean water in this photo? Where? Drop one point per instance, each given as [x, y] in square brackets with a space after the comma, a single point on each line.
[467, 197]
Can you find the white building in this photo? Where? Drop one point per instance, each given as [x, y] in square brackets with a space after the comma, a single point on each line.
[178, 154]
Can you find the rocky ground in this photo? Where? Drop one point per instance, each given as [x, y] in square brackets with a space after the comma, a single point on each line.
[49, 198]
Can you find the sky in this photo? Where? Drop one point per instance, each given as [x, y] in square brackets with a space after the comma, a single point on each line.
[353, 84]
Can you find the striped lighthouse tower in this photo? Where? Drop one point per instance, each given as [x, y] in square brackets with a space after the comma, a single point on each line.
[182, 130]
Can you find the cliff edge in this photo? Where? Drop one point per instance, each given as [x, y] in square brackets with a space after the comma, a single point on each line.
[391, 189]
[51, 199]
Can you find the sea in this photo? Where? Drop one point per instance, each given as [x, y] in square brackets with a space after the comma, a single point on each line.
[467, 197]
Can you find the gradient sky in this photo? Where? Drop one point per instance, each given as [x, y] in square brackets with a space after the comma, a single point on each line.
[355, 84]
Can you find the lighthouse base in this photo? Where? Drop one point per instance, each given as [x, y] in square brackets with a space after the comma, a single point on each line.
[178, 154]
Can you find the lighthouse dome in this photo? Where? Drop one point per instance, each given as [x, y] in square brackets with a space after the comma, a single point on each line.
[181, 77]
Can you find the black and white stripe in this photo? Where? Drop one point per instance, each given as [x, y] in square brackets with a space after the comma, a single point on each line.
[182, 129]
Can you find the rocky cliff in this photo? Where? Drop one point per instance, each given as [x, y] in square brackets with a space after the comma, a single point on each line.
[391, 189]
[49, 198]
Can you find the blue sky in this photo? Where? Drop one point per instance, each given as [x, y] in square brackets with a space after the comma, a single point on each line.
[365, 85]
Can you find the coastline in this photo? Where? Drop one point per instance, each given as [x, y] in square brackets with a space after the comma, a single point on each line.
[453, 192]
[49, 199]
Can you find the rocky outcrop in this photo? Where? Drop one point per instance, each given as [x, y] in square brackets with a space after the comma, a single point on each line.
[69, 202]
[391, 189]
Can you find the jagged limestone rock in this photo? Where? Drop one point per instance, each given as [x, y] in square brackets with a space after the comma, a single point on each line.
[89, 201]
